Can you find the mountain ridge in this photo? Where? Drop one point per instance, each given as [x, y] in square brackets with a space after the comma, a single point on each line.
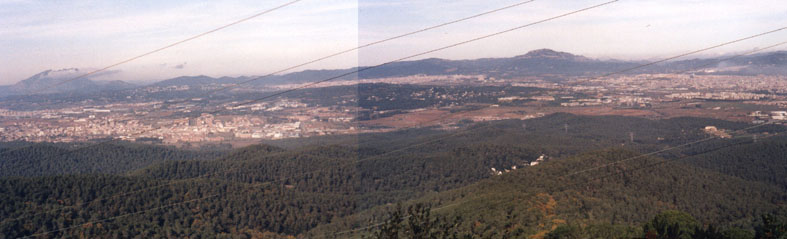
[533, 63]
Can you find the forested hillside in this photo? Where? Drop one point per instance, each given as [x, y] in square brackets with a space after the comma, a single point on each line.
[618, 199]
[323, 189]
[764, 162]
[44, 159]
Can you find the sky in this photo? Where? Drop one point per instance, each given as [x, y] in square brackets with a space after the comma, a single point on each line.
[37, 35]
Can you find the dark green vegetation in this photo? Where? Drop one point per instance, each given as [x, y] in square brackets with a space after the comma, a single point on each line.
[443, 180]
[536, 201]
[419, 223]
[28, 160]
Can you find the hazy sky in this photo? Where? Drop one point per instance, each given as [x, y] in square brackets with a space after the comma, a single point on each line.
[90, 34]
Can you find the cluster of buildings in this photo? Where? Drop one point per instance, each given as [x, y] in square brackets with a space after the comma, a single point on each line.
[717, 96]
[276, 120]
[761, 117]
[644, 90]
[627, 101]
[174, 121]
[514, 167]
[712, 130]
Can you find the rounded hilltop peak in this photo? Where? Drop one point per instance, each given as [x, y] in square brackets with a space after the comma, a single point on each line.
[549, 53]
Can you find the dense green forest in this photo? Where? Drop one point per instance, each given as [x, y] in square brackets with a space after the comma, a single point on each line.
[418, 222]
[534, 200]
[745, 161]
[444, 179]
[25, 159]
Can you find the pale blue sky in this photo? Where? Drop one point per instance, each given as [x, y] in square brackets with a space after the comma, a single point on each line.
[40, 35]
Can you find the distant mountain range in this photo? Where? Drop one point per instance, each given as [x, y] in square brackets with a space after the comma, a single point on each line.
[550, 62]
[538, 62]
